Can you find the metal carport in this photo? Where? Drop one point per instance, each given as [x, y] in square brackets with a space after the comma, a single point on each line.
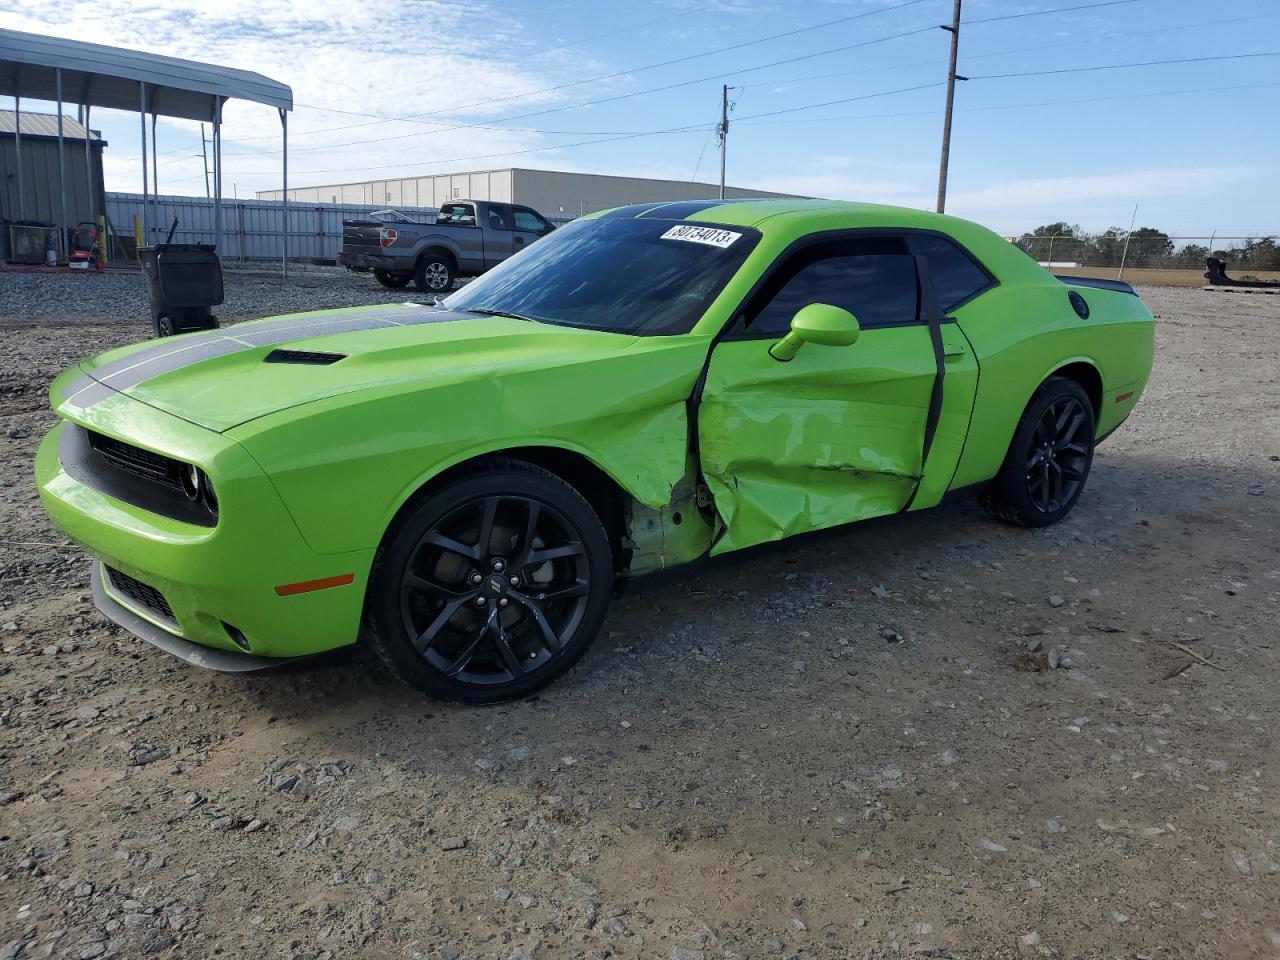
[93, 75]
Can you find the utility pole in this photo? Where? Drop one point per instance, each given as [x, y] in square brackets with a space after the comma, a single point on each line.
[723, 130]
[204, 152]
[954, 30]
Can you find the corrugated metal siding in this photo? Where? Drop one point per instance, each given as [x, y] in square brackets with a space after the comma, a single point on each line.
[43, 125]
[251, 229]
[41, 200]
[183, 88]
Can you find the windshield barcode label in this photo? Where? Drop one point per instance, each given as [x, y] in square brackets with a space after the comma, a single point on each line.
[712, 236]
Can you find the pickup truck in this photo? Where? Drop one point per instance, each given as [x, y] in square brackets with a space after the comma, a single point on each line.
[468, 238]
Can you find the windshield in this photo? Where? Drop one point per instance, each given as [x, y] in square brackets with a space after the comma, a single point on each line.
[644, 277]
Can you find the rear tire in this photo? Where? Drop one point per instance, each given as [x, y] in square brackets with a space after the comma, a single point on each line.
[434, 274]
[1049, 459]
[490, 586]
[392, 281]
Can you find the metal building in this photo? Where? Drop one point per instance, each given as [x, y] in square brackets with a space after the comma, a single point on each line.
[40, 199]
[554, 193]
[57, 70]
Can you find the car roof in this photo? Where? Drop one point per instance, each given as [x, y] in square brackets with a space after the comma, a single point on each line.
[787, 219]
[754, 212]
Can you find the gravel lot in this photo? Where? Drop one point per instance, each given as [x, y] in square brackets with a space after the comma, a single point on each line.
[90, 298]
[1040, 764]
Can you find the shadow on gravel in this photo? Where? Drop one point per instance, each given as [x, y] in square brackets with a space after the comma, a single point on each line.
[743, 632]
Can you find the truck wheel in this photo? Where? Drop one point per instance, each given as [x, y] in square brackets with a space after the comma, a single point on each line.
[490, 586]
[392, 281]
[163, 326]
[434, 274]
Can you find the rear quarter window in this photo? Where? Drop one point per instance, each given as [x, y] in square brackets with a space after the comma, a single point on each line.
[957, 277]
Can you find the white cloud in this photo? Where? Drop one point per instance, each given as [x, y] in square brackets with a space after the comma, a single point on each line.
[408, 57]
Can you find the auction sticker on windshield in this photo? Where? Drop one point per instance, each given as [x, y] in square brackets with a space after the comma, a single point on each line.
[712, 236]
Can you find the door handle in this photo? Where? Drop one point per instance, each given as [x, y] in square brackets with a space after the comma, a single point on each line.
[954, 354]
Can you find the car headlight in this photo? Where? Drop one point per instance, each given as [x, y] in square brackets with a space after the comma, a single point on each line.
[197, 487]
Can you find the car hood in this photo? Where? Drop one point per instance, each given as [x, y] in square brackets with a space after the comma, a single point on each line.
[222, 378]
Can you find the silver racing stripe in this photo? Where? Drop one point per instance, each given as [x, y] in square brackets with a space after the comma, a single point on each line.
[166, 356]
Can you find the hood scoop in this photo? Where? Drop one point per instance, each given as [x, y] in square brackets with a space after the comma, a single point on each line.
[304, 357]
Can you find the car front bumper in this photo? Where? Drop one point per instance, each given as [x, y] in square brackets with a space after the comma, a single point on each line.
[195, 588]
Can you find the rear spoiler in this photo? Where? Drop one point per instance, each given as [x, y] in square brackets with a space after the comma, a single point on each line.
[1119, 286]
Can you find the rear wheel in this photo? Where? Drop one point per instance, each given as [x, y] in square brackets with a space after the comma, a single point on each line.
[434, 274]
[1049, 459]
[392, 281]
[492, 586]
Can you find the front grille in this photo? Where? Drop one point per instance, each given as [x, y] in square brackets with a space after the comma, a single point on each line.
[147, 598]
[135, 460]
[130, 474]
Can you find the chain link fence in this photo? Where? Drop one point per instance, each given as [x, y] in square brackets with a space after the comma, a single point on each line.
[1149, 249]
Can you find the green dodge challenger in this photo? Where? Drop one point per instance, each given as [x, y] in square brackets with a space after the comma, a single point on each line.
[463, 485]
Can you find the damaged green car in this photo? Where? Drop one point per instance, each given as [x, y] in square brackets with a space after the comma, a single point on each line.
[462, 485]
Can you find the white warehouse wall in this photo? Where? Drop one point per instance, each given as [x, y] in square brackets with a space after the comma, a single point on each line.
[553, 193]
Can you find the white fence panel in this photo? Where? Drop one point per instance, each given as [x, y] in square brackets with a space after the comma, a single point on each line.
[251, 229]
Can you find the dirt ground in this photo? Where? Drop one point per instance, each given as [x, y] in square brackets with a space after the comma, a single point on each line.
[742, 767]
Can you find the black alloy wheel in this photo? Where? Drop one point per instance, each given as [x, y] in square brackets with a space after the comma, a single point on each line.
[1049, 459]
[493, 587]
[1058, 461]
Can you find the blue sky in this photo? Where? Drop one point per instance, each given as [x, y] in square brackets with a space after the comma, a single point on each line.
[1195, 145]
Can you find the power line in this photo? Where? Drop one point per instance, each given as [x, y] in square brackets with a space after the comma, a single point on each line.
[1120, 66]
[1021, 106]
[626, 136]
[1041, 13]
[631, 135]
[443, 127]
[618, 73]
[1217, 22]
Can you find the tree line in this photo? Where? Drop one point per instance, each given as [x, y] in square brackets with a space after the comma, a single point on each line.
[1148, 247]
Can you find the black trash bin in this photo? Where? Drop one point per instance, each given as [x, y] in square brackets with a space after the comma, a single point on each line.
[183, 281]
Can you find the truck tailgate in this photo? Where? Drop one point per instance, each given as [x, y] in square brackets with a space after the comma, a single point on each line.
[361, 236]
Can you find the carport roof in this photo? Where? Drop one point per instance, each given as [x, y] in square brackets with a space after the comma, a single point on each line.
[102, 76]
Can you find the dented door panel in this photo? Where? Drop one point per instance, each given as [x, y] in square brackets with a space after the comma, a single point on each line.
[830, 437]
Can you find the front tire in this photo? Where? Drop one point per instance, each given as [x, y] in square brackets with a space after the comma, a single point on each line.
[392, 281]
[434, 274]
[491, 586]
[1048, 461]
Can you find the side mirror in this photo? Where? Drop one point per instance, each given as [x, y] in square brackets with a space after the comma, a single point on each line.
[819, 323]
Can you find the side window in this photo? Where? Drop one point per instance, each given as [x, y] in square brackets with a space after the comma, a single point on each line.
[457, 214]
[956, 277]
[496, 220]
[528, 220]
[874, 278]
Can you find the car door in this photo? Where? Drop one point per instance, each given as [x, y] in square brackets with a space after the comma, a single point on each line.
[528, 225]
[835, 434]
[499, 239]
